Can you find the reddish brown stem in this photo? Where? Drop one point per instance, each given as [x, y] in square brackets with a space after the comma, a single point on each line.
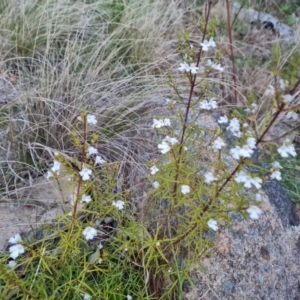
[231, 52]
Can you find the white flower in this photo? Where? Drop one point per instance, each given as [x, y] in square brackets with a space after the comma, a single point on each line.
[218, 144]
[154, 170]
[119, 204]
[49, 174]
[193, 68]
[283, 83]
[91, 119]
[89, 233]
[288, 98]
[251, 142]
[209, 177]
[254, 212]
[207, 44]
[169, 101]
[164, 147]
[213, 224]
[129, 297]
[12, 263]
[185, 189]
[276, 165]
[235, 152]
[86, 198]
[276, 175]
[223, 119]
[92, 150]
[208, 104]
[286, 149]
[100, 246]
[248, 181]
[16, 250]
[292, 115]
[99, 160]
[270, 91]
[161, 123]
[156, 184]
[87, 297]
[234, 127]
[245, 151]
[253, 108]
[85, 173]
[15, 239]
[184, 67]
[217, 67]
[173, 141]
[56, 166]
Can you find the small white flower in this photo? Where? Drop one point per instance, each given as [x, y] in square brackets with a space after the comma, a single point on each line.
[86, 198]
[91, 119]
[185, 189]
[234, 127]
[129, 297]
[154, 170]
[223, 120]
[251, 143]
[276, 165]
[292, 115]
[248, 181]
[286, 149]
[99, 160]
[214, 66]
[253, 108]
[184, 67]
[283, 84]
[213, 224]
[161, 123]
[92, 150]
[193, 68]
[15, 239]
[164, 147]
[86, 296]
[256, 181]
[209, 177]
[156, 184]
[89, 233]
[49, 174]
[100, 246]
[218, 144]
[12, 263]
[119, 204]
[209, 104]
[254, 212]
[288, 98]
[56, 166]
[207, 44]
[169, 101]
[16, 250]
[85, 174]
[270, 91]
[235, 152]
[276, 175]
[173, 141]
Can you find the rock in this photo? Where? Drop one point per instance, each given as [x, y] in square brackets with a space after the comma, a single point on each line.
[251, 260]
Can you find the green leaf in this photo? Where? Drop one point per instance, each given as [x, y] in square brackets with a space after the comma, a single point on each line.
[291, 20]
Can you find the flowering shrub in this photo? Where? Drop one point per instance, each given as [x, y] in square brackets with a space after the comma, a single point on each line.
[197, 181]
